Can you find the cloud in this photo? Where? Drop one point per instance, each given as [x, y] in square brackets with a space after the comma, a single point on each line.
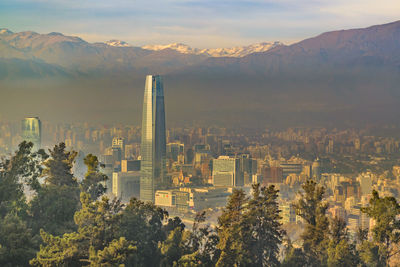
[201, 23]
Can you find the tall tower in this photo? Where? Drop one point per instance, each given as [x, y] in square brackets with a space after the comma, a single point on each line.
[32, 131]
[153, 147]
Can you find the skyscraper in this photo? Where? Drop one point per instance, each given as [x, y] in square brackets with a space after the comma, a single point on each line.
[153, 147]
[32, 131]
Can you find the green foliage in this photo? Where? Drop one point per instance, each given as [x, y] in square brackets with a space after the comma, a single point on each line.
[97, 231]
[93, 178]
[115, 254]
[171, 249]
[53, 209]
[369, 254]
[249, 230]
[311, 208]
[58, 167]
[341, 252]
[294, 257]
[98, 221]
[16, 241]
[96, 242]
[68, 250]
[143, 223]
[229, 231]
[200, 244]
[386, 231]
[24, 166]
[263, 233]
[56, 201]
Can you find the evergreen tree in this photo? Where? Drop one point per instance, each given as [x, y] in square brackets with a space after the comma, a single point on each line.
[58, 167]
[97, 241]
[92, 183]
[98, 221]
[115, 254]
[172, 249]
[312, 209]
[262, 227]
[23, 167]
[16, 243]
[142, 223]
[56, 201]
[386, 231]
[230, 231]
[199, 245]
[341, 252]
[294, 257]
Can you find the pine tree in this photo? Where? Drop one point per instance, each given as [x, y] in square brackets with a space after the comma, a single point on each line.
[142, 223]
[230, 242]
[58, 167]
[386, 231]
[92, 183]
[199, 245]
[17, 245]
[23, 167]
[341, 251]
[262, 227]
[97, 242]
[56, 201]
[312, 209]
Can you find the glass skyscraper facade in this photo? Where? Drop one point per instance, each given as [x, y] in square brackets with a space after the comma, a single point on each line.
[153, 146]
[32, 131]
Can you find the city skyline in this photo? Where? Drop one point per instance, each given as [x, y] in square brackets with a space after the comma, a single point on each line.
[282, 147]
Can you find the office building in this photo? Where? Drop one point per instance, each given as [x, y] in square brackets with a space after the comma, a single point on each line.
[118, 142]
[32, 131]
[130, 165]
[197, 199]
[153, 145]
[289, 168]
[175, 151]
[226, 172]
[365, 181]
[272, 175]
[125, 185]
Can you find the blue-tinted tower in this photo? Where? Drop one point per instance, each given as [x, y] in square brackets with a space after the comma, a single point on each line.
[153, 147]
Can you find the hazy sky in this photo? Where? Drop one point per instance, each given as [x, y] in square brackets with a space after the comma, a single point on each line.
[199, 23]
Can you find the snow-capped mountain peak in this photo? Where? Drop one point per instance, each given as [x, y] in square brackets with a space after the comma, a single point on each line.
[5, 31]
[117, 43]
[239, 51]
[182, 48]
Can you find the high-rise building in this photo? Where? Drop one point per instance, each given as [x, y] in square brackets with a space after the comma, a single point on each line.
[226, 172]
[153, 146]
[174, 150]
[125, 185]
[32, 131]
[119, 142]
[272, 175]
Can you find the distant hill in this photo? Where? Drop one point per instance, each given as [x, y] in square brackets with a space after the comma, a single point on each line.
[346, 77]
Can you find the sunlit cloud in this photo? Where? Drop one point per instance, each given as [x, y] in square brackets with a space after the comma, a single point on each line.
[199, 23]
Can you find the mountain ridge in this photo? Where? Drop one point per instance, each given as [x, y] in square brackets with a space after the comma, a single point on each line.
[348, 76]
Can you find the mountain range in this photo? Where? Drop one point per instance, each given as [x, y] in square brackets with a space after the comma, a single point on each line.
[345, 77]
